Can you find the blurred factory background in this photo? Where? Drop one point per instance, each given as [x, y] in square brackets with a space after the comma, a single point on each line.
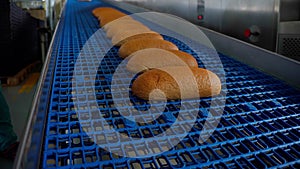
[26, 31]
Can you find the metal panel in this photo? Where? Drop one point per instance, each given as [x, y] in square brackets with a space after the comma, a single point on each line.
[231, 17]
[289, 45]
[239, 15]
[289, 10]
[289, 39]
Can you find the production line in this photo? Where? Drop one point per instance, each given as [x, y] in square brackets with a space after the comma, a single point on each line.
[258, 127]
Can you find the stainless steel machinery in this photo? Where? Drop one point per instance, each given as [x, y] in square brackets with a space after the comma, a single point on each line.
[271, 24]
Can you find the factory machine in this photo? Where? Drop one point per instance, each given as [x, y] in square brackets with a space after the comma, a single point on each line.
[259, 126]
[273, 24]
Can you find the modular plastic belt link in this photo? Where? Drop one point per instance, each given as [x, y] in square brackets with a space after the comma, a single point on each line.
[258, 129]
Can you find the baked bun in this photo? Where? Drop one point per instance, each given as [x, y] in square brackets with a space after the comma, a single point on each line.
[109, 17]
[97, 12]
[186, 57]
[128, 35]
[107, 14]
[142, 43]
[149, 58]
[158, 84]
[120, 21]
[124, 27]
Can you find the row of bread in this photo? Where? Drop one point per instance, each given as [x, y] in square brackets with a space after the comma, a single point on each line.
[167, 72]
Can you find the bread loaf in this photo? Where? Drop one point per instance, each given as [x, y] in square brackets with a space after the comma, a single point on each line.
[142, 43]
[120, 21]
[124, 27]
[186, 57]
[100, 10]
[109, 17]
[150, 58]
[128, 35]
[105, 12]
[159, 84]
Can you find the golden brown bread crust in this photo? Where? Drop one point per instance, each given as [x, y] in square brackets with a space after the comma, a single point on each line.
[132, 46]
[105, 11]
[125, 26]
[123, 20]
[108, 17]
[149, 58]
[186, 57]
[100, 10]
[107, 14]
[208, 83]
[128, 35]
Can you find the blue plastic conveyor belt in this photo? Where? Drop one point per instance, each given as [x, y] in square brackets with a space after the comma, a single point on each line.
[260, 126]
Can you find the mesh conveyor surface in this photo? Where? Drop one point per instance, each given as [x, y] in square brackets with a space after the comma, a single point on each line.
[260, 126]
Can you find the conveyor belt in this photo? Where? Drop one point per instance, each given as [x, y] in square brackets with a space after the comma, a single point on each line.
[260, 126]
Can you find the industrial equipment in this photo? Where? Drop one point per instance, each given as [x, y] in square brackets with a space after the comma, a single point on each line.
[272, 24]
